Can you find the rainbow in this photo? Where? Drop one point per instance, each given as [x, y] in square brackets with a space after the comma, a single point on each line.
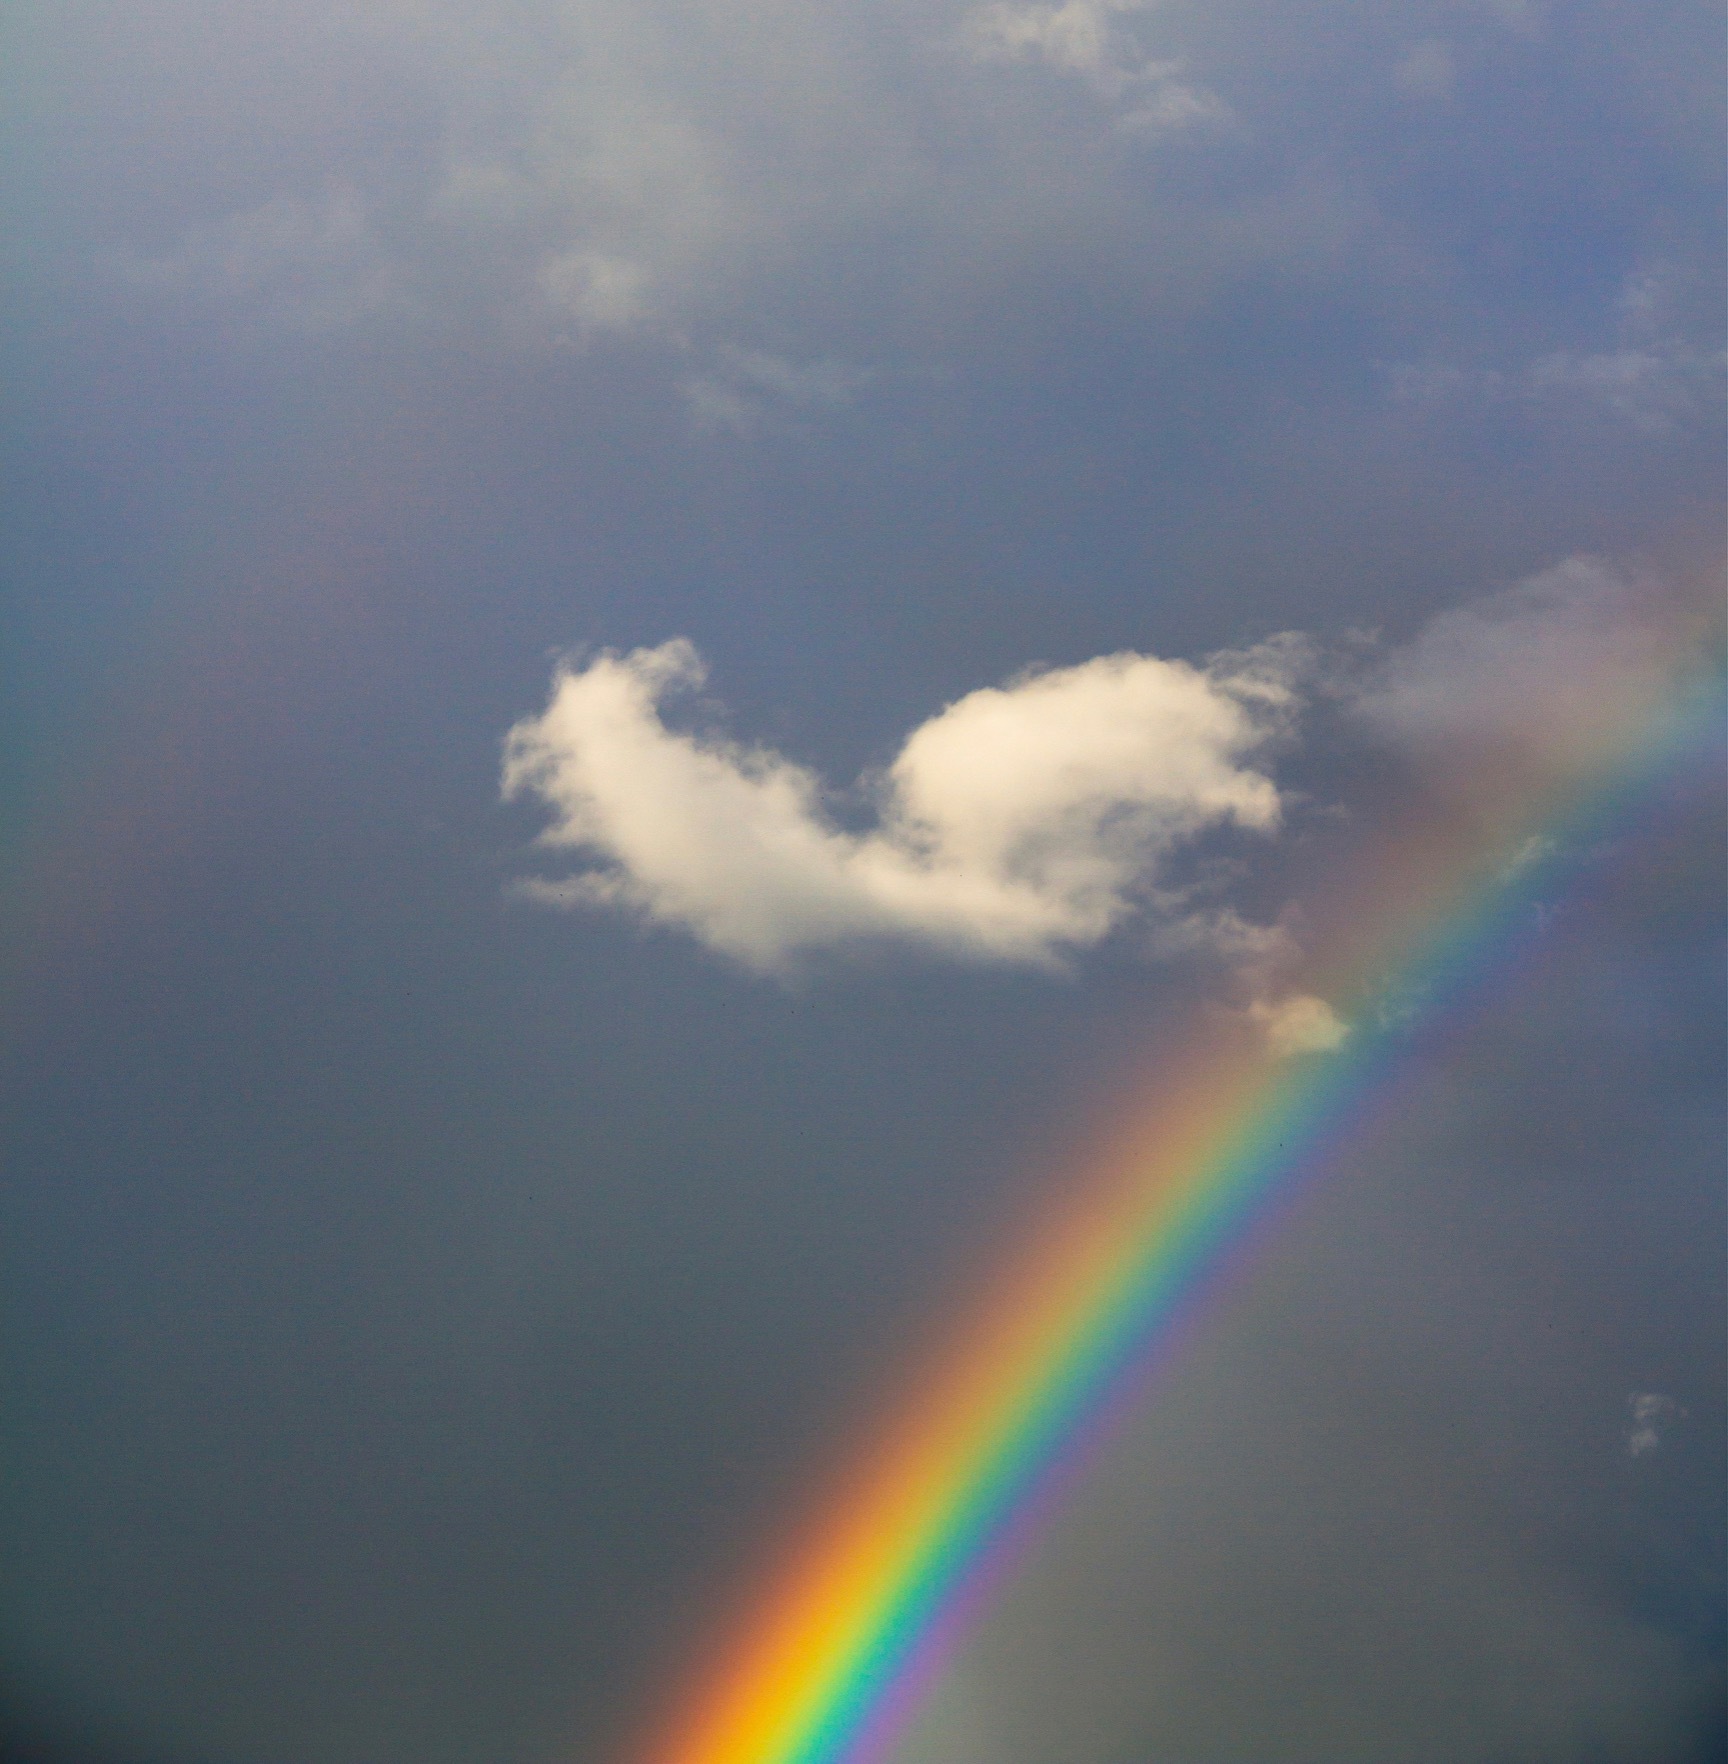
[830, 1656]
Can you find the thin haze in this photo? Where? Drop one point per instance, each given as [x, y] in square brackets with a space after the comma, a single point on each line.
[650, 652]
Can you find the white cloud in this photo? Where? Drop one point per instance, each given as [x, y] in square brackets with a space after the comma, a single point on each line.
[1078, 36]
[1537, 849]
[1299, 1024]
[1021, 822]
[702, 170]
[1647, 302]
[640, 162]
[1166, 104]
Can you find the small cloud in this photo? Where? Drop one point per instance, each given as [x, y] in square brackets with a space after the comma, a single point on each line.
[715, 406]
[1299, 1024]
[600, 292]
[1537, 849]
[1427, 70]
[1086, 39]
[1646, 301]
[1171, 106]
[1400, 1007]
[1078, 36]
[1652, 1416]
[748, 389]
[1024, 821]
[1254, 952]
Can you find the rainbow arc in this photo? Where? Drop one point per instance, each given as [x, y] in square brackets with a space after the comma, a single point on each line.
[829, 1660]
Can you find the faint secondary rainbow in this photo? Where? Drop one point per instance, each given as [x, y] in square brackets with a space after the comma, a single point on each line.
[829, 1659]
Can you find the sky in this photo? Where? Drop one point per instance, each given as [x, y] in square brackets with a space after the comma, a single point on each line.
[656, 657]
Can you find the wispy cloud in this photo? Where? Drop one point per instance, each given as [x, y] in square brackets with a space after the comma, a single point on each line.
[1088, 39]
[600, 292]
[1656, 387]
[311, 263]
[1652, 1415]
[1426, 70]
[1651, 375]
[1021, 822]
[749, 389]
[1543, 673]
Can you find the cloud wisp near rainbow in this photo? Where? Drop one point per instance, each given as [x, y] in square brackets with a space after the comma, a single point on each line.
[828, 1661]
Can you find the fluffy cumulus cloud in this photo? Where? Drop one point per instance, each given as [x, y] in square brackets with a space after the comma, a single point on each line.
[1021, 822]
[1299, 1024]
[1032, 819]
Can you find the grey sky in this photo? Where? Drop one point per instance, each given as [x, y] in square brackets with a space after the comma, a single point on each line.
[417, 1303]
